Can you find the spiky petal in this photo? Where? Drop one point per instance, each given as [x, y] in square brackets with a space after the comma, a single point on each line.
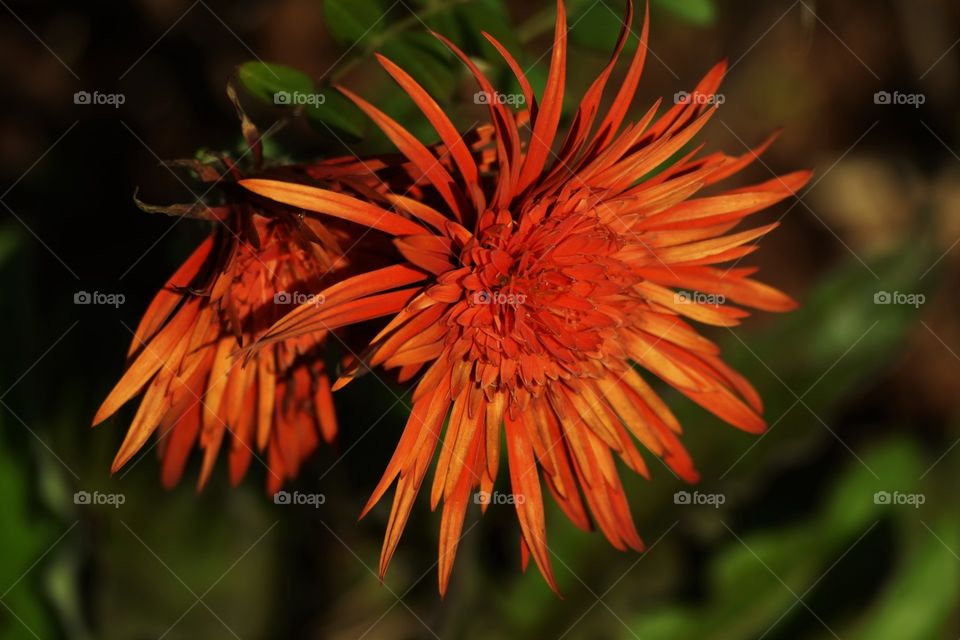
[546, 290]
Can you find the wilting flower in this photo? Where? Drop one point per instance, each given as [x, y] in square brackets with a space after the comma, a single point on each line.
[226, 294]
[261, 260]
[535, 295]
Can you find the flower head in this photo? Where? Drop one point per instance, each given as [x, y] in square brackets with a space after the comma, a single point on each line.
[261, 260]
[542, 281]
[225, 295]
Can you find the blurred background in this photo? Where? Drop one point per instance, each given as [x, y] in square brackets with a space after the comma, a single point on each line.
[841, 521]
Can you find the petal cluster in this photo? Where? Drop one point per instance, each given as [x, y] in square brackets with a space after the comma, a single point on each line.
[223, 297]
[260, 261]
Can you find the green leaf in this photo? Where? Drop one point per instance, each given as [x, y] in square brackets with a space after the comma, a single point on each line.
[24, 537]
[266, 80]
[426, 59]
[490, 16]
[351, 21]
[892, 466]
[338, 113]
[283, 86]
[699, 12]
[598, 26]
[922, 597]
[446, 22]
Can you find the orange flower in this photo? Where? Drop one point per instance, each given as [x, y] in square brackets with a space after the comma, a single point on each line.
[533, 297]
[260, 261]
[223, 297]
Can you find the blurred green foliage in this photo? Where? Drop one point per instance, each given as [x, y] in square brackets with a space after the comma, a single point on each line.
[799, 549]
[24, 537]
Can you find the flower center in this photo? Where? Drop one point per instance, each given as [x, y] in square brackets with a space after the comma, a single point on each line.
[540, 301]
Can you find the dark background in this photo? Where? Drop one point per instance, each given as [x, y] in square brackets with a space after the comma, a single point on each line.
[861, 397]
